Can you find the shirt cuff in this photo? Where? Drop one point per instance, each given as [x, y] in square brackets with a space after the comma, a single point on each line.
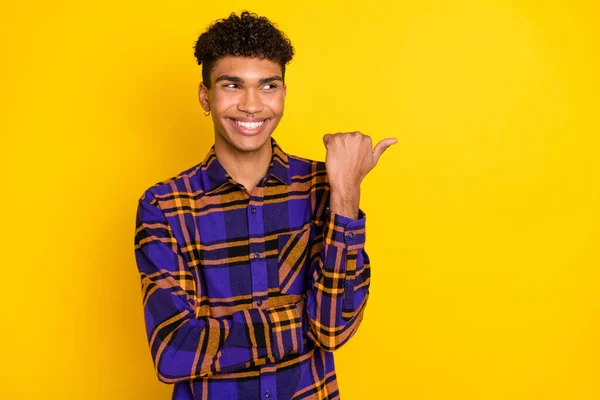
[344, 232]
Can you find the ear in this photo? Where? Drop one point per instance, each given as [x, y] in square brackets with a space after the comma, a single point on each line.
[203, 97]
[284, 90]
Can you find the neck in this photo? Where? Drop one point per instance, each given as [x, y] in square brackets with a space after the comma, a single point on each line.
[245, 167]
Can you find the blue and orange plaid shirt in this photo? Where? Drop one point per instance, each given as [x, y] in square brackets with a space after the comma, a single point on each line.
[246, 296]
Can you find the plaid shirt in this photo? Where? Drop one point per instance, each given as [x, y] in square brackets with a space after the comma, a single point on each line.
[246, 296]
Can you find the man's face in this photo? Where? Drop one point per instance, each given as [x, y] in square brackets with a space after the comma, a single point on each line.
[240, 87]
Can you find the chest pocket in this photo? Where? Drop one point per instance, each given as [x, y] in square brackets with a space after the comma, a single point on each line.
[293, 258]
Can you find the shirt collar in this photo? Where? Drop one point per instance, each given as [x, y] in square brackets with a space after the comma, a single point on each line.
[214, 174]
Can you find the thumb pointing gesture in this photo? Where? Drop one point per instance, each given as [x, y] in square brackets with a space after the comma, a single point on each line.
[381, 147]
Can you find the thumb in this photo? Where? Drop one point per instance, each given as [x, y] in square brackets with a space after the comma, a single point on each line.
[326, 138]
[382, 146]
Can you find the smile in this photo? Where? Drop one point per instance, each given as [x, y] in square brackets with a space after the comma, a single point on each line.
[249, 125]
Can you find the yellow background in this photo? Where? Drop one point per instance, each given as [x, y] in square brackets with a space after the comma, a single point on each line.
[483, 225]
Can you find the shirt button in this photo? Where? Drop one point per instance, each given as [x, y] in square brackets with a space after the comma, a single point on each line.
[267, 394]
[256, 255]
[351, 235]
[348, 283]
[259, 302]
[253, 210]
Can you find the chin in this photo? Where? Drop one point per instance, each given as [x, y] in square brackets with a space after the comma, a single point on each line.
[248, 143]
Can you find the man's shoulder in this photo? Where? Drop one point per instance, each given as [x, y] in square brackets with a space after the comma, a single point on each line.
[170, 186]
[302, 165]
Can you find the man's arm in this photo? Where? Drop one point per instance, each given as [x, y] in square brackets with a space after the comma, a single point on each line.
[340, 277]
[185, 346]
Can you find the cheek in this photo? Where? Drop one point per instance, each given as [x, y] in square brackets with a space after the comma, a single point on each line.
[275, 104]
[222, 103]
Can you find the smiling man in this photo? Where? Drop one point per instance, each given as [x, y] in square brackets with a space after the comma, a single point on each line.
[252, 262]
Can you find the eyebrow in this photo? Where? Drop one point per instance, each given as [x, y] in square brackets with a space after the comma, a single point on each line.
[237, 79]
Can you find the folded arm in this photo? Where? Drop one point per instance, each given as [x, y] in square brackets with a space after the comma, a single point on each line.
[184, 345]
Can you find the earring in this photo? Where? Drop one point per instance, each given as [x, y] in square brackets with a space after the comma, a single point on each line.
[207, 113]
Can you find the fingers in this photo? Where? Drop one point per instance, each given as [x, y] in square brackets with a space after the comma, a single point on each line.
[382, 146]
[377, 151]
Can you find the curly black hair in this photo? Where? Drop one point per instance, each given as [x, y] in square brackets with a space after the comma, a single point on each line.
[247, 35]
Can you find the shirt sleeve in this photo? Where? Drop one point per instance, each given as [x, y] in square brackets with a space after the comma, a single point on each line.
[340, 279]
[184, 345]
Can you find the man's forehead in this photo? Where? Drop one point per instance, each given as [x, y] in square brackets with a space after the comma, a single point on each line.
[247, 68]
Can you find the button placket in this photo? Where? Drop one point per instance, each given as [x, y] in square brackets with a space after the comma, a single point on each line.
[257, 250]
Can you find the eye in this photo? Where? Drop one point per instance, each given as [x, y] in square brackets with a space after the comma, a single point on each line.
[270, 86]
[230, 85]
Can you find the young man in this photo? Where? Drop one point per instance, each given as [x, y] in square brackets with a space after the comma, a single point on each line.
[252, 262]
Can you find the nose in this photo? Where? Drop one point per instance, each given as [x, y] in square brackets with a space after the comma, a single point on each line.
[250, 101]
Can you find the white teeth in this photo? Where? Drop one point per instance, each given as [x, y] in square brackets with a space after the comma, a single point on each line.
[249, 125]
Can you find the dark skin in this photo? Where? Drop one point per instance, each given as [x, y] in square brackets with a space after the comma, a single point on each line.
[242, 86]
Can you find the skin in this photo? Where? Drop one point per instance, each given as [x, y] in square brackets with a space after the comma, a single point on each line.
[246, 158]
[241, 85]
[350, 157]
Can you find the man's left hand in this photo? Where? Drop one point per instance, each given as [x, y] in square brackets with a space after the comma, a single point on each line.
[350, 157]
